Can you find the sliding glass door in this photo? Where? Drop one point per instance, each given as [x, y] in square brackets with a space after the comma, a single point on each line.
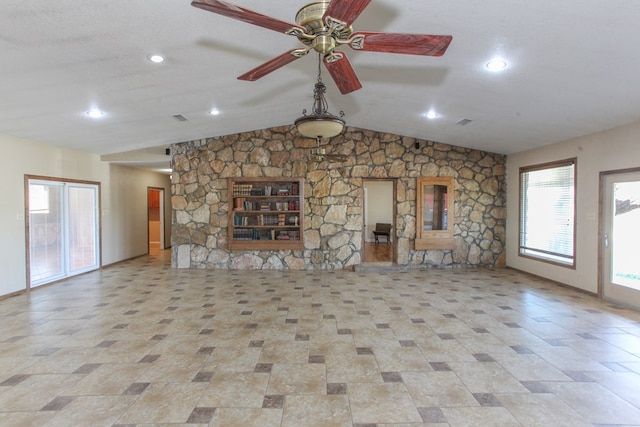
[63, 229]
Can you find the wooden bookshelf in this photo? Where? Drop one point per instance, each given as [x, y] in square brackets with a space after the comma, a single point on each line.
[266, 213]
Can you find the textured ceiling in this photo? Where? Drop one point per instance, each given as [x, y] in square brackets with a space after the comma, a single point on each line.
[573, 70]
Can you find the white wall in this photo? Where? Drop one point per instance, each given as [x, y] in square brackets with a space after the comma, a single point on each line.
[123, 202]
[379, 206]
[609, 150]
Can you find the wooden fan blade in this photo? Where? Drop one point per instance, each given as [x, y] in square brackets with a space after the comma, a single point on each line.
[236, 12]
[270, 66]
[346, 10]
[342, 72]
[412, 44]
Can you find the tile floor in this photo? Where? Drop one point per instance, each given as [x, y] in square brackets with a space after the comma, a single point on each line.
[142, 344]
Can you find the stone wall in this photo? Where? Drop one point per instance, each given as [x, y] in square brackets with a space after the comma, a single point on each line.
[333, 192]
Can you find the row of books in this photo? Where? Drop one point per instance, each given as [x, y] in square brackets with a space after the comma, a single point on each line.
[243, 190]
[259, 220]
[245, 234]
[242, 204]
[253, 234]
[249, 190]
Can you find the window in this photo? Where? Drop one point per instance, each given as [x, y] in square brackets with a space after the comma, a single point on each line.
[548, 211]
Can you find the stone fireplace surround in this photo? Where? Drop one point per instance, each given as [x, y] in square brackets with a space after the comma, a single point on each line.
[333, 206]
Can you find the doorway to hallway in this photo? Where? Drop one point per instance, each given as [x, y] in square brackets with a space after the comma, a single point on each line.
[155, 219]
[379, 207]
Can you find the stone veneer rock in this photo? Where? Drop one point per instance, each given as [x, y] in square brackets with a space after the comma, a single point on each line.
[333, 206]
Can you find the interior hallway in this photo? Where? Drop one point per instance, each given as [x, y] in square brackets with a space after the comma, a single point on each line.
[139, 343]
[376, 252]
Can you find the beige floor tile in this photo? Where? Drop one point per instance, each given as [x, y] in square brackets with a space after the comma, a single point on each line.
[24, 419]
[127, 351]
[278, 351]
[316, 411]
[36, 391]
[483, 343]
[164, 403]
[437, 389]
[541, 410]
[334, 345]
[352, 369]
[568, 359]
[107, 379]
[405, 359]
[181, 344]
[91, 410]
[444, 350]
[290, 379]
[489, 377]
[595, 403]
[246, 417]
[235, 390]
[529, 367]
[382, 403]
[475, 417]
[173, 368]
[233, 359]
[16, 365]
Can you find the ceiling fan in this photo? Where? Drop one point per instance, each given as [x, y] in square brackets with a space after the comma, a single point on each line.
[323, 26]
[319, 154]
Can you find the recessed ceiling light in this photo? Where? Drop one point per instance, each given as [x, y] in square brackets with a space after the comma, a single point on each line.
[431, 114]
[156, 58]
[496, 64]
[94, 113]
[214, 111]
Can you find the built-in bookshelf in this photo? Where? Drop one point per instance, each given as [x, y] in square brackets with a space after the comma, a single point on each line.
[266, 213]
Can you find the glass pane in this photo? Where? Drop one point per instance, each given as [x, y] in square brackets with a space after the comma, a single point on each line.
[434, 215]
[625, 269]
[547, 213]
[82, 228]
[46, 244]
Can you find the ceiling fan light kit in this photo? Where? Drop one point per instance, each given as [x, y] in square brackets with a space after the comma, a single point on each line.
[323, 26]
[320, 123]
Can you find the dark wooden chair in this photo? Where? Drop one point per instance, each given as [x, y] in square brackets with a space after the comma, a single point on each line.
[382, 230]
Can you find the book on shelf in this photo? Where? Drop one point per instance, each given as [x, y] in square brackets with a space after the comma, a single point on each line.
[288, 235]
[244, 234]
[242, 189]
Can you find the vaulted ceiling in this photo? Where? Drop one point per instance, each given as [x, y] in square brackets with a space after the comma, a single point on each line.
[572, 69]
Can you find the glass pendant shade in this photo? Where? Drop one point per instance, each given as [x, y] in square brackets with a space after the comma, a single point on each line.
[320, 125]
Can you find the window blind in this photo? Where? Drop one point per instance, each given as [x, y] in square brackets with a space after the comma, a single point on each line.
[547, 212]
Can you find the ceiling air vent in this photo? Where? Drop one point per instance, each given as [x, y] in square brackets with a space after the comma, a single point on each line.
[179, 117]
[463, 122]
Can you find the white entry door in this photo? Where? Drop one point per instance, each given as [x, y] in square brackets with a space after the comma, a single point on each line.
[621, 234]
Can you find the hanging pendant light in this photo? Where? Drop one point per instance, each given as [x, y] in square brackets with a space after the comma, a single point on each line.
[320, 123]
